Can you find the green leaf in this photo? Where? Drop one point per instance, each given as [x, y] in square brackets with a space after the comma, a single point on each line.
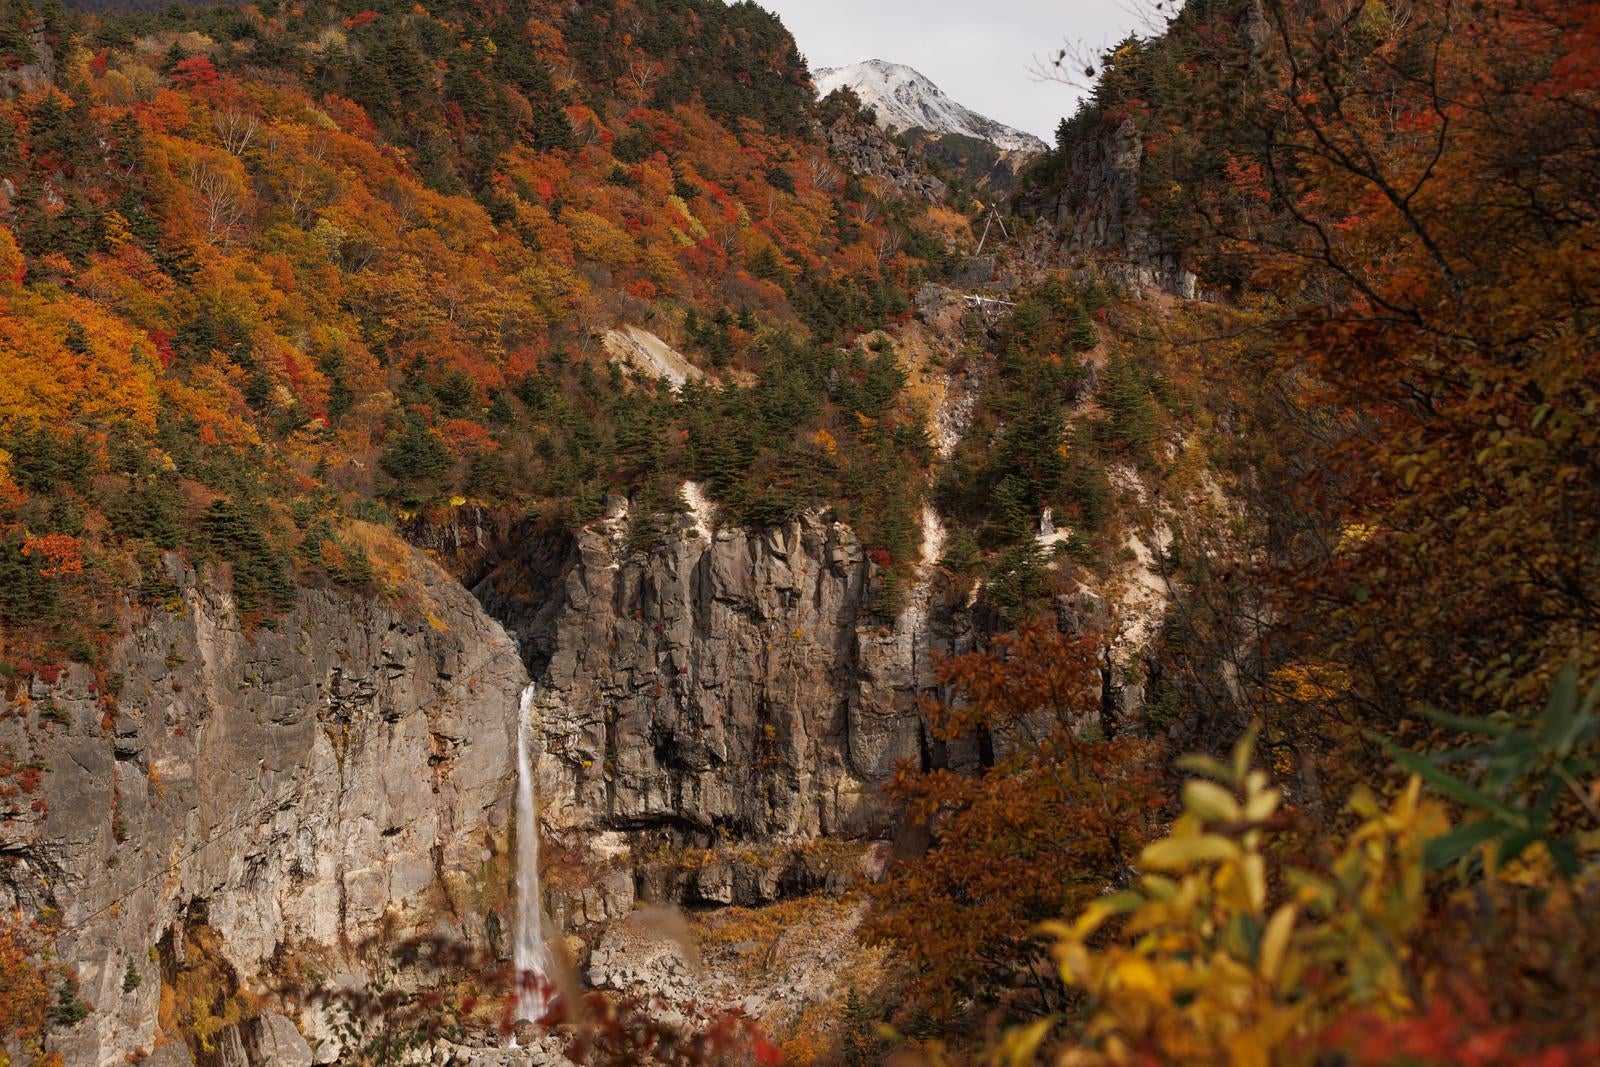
[1209, 766]
[1515, 844]
[1484, 727]
[1447, 849]
[1513, 757]
[1547, 798]
[1583, 724]
[1460, 755]
[1449, 785]
[1564, 851]
[1561, 720]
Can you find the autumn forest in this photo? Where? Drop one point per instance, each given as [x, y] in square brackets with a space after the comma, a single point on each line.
[1132, 603]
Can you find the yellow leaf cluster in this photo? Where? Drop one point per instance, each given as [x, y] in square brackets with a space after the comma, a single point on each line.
[66, 360]
[1222, 960]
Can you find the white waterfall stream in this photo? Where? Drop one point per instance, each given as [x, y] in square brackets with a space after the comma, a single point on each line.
[529, 947]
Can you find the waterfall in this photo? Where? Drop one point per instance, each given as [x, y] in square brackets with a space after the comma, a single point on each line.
[529, 950]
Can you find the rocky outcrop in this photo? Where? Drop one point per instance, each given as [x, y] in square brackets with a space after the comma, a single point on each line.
[1094, 206]
[994, 172]
[728, 684]
[21, 76]
[468, 539]
[866, 151]
[714, 961]
[302, 785]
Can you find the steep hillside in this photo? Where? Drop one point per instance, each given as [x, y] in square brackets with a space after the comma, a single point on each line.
[279, 283]
[267, 272]
[627, 335]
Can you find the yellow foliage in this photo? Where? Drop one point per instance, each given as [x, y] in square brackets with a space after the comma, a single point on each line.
[1209, 967]
[599, 240]
[68, 360]
[11, 263]
[390, 556]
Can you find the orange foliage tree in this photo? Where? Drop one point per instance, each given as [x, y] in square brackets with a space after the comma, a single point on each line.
[1412, 165]
[1390, 193]
[25, 1001]
[1047, 815]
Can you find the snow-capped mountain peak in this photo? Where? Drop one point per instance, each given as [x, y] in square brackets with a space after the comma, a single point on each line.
[905, 99]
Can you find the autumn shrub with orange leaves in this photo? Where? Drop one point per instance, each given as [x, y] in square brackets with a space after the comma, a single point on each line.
[1034, 812]
[27, 995]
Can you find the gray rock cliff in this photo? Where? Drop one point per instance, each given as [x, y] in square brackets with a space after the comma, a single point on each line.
[866, 151]
[1094, 207]
[730, 685]
[301, 787]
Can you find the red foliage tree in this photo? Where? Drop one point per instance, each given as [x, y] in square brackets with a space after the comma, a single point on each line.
[1047, 815]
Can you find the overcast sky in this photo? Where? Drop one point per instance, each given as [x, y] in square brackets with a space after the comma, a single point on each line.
[978, 51]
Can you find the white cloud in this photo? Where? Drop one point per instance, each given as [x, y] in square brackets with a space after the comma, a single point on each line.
[978, 51]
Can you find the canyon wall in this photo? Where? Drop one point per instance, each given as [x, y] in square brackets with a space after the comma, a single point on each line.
[728, 685]
[1094, 208]
[296, 789]
[717, 713]
[347, 769]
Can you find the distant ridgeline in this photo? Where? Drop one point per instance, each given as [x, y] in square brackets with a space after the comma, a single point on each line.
[968, 148]
[279, 275]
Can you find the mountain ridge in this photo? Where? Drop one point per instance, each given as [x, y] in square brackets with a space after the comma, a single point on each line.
[905, 99]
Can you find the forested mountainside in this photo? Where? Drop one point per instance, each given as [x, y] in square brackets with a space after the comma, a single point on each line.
[275, 266]
[1169, 638]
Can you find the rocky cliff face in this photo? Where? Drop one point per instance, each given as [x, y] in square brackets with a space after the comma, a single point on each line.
[1094, 207]
[867, 152]
[725, 684]
[23, 76]
[299, 787]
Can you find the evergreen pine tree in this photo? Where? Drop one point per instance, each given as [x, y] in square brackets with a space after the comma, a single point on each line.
[1127, 399]
[859, 1044]
[1014, 518]
[1084, 336]
[417, 460]
[235, 531]
[10, 148]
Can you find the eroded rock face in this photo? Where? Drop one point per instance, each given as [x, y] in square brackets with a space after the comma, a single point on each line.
[1095, 208]
[866, 151]
[736, 684]
[300, 786]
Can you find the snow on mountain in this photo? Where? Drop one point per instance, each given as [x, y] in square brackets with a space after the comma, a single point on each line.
[904, 99]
